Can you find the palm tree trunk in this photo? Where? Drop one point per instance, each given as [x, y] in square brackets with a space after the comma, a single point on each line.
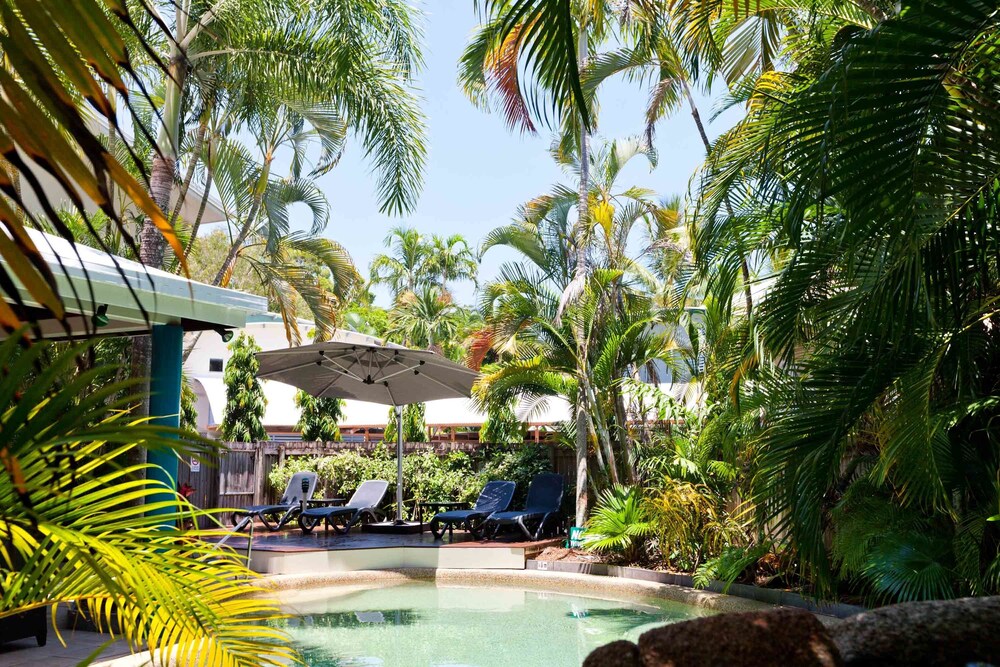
[161, 182]
[199, 143]
[234, 249]
[580, 271]
[744, 265]
[582, 425]
[151, 250]
[201, 213]
[601, 431]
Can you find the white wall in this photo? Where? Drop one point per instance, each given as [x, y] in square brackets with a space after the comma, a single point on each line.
[269, 332]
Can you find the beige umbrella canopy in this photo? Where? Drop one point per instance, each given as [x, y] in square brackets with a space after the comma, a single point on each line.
[384, 374]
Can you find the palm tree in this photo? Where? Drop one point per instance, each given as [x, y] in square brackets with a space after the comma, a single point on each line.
[538, 358]
[73, 532]
[323, 53]
[873, 368]
[69, 507]
[544, 235]
[490, 74]
[426, 318]
[406, 267]
[450, 258]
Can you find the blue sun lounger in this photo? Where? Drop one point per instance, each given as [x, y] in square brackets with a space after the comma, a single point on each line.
[541, 511]
[495, 497]
[363, 504]
[300, 489]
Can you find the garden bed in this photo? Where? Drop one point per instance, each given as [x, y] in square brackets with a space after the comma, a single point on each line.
[571, 562]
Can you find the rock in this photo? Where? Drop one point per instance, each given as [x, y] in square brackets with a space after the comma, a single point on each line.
[944, 632]
[785, 637]
[616, 654]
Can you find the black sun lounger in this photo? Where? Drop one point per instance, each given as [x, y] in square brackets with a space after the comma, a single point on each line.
[541, 511]
[495, 497]
[364, 502]
[300, 489]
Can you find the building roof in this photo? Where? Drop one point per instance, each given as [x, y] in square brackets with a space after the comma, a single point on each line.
[87, 278]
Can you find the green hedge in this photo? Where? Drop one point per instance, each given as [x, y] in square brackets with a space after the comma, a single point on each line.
[428, 476]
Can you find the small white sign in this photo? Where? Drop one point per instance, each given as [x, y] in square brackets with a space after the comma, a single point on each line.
[195, 465]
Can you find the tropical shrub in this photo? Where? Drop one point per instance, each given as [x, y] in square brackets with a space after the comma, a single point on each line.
[77, 526]
[729, 565]
[620, 523]
[502, 426]
[189, 401]
[691, 523]
[245, 401]
[427, 476]
[320, 417]
[414, 428]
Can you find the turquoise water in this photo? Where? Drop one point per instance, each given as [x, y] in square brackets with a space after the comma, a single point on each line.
[420, 625]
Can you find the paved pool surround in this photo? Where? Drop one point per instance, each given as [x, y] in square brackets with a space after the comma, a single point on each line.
[289, 587]
[291, 552]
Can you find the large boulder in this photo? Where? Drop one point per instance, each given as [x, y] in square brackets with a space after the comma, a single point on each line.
[946, 632]
[616, 654]
[785, 637]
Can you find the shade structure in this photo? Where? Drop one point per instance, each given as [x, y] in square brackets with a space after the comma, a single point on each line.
[386, 374]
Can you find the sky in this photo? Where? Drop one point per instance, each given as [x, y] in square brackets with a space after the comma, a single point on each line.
[478, 171]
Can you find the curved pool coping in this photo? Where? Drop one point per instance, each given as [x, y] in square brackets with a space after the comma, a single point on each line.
[560, 582]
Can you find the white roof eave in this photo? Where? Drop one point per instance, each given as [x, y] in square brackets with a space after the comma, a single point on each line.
[87, 278]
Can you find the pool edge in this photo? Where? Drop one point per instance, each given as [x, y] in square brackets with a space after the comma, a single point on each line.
[576, 584]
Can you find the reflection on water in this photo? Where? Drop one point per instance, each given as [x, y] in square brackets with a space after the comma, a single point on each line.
[419, 624]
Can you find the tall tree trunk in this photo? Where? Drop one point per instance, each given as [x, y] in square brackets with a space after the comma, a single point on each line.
[579, 276]
[201, 213]
[582, 426]
[152, 245]
[599, 420]
[199, 144]
[234, 249]
[744, 265]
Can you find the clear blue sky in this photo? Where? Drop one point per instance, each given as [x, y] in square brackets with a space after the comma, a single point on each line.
[477, 171]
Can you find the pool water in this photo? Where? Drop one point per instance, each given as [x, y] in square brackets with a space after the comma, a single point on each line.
[421, 624]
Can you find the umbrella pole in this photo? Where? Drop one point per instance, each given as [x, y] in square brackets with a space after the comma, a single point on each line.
[399, 464]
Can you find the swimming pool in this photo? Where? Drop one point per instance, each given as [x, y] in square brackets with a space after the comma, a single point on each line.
[421, 623]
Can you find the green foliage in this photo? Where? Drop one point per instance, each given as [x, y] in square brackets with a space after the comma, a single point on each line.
[863, 391]
[245, 401]
[729, 565]
[426, 318]
[320, 417]
[692, 524]
[189, 402]
[414, 427]
[77, 527]
[518, 464]
[426, 475]
[502, 426]
[366, 319]
[620, 523]
[537, 341]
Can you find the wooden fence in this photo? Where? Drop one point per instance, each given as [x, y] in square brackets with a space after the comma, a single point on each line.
[239, 476]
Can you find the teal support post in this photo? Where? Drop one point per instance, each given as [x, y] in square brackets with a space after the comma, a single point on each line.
[165, 397]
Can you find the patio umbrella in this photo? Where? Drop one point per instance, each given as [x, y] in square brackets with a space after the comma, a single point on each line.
[386, 374]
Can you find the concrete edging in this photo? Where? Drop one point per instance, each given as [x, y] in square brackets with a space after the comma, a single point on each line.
[288, 586]
[771, 596]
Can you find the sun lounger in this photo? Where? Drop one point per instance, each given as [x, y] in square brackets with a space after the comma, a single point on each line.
[495, 497]
[274, 517]
[541, 511]
[364, 503]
